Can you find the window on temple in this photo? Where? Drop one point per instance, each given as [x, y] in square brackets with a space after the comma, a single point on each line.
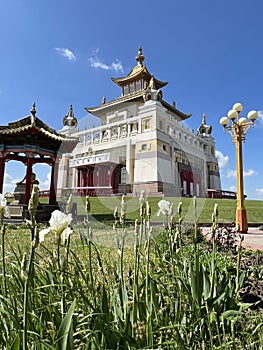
[197, 189]
[146, 124]
[131, 88]
[191, 189]
[125, 90]
[184, 188]
[138, 85]
[123, 175]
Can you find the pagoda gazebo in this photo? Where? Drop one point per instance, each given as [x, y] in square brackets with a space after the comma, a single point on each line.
[31, 141]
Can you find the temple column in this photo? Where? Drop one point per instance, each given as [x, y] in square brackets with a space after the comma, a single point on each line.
[53, 181]
[28, 178]
[78, 177]
[129, 129]
[82, 178]
[90, 177]
[112, 182]
[87, 181]
[128, 161]
[87, 177]
[84, 181]
[2, 173]
[99, 176]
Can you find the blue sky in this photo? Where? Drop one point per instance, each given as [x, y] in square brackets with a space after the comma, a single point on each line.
[57, 53]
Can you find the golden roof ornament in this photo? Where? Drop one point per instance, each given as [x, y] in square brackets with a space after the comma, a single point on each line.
[69, 119]
[204, 129]
[140, 57]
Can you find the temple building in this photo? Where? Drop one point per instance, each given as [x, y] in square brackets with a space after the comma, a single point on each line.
[142, 143]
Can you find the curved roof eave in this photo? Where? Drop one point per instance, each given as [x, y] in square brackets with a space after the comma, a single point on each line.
[138, 72]
[24, 126]
[175, 110]
[127, 98]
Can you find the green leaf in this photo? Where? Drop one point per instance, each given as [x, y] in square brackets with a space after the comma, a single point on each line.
[230, 314]
[206, 284]
[16, 343]
[63, 339]
[105, 306]
[257, 328]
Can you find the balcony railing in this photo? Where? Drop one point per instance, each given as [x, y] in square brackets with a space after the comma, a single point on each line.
[94, 159]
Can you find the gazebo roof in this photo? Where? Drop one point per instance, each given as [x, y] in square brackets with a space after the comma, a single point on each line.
[31, 127]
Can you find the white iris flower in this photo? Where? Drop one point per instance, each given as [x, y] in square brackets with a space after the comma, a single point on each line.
[4, 210]
[59, 223]
[164, 207]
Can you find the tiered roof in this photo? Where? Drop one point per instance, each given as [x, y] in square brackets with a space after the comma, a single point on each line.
[138, 72]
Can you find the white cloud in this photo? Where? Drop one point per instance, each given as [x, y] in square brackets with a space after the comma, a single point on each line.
[259, 191]
[232, 173]
[44, 185]
[66, 53]
[260, 117]
[117, 66]
[222, 159]
[96, 62]
[232, 188]
[250, 172]
[10, 183]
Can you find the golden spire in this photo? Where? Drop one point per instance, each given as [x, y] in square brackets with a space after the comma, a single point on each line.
[140, 57]
[70, 119]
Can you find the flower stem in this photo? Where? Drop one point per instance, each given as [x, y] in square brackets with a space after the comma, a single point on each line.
[3, 259]
[26, 293]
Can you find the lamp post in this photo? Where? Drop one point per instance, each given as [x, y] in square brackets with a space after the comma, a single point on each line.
[238, 129]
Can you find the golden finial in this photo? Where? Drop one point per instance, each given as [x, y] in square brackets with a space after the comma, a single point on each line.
[140, 57]
[70, 119]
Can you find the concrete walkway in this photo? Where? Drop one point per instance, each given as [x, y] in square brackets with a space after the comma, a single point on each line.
[253, 239]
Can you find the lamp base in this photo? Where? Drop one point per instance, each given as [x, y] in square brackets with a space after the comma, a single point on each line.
[241, 220]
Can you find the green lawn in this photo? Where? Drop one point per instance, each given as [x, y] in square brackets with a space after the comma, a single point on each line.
[102, 208]
[130, 288]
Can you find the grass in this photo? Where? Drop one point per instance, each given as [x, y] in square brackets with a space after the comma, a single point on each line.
[168, 292]
[102, 208]
[126, 287]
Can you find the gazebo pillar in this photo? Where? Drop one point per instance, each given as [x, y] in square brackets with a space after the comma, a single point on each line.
[53, 181]
[2, 172]
[28, 178]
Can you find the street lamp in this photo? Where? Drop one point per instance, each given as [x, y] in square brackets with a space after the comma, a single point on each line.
[238, 129]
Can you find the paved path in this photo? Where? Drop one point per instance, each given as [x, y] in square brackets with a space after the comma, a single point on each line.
[253, 239]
